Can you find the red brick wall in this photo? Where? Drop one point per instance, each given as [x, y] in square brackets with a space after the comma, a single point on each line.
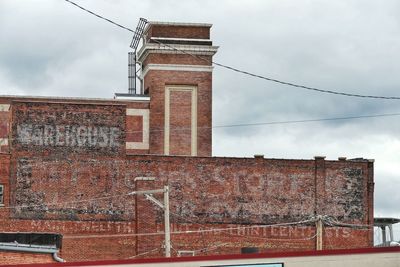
[8, 257]
[65, 132]
[208, 193]
[173, 31]
[180, 122]
[4, 127]
[5, 180]
[83, 240]
[157, 82]
[135, 126]
[223, 192]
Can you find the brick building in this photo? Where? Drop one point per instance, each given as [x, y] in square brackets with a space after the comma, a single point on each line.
[67, 166]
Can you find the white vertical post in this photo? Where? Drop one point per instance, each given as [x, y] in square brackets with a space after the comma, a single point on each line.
[166, 222]
[390, 233]
[319, 227]
[383, 228]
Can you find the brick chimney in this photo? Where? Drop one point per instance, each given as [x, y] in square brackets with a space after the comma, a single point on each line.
[179, 84]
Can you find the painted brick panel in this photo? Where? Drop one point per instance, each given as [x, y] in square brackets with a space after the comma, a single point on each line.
[180, 123]
[60, 128]
[134, 128]
[157, 81]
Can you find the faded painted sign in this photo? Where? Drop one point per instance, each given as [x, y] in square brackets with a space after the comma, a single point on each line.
[68, 135]
[65, 128]
[83, 189]
[71, 190]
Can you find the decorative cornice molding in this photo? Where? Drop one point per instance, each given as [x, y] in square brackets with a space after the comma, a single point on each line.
[204, 50]
[177, 67]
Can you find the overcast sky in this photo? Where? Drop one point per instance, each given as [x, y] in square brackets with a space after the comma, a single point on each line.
[51, 48]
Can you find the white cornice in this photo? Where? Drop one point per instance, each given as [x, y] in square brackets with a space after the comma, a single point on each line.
[177, 67]
[204, 50]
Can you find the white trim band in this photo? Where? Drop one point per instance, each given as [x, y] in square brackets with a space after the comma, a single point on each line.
[176, 49]
[177, 67]
[136, 145]
[135, 98]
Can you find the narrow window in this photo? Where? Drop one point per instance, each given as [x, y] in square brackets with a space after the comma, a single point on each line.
[1, 195]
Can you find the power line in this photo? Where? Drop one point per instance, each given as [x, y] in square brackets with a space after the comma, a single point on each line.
[177, 129]
[276, 80]
[308, 120]
[101, 17]
[226, 229]
[243, 71]
[306, 87]
[210, 230]
[145, 253]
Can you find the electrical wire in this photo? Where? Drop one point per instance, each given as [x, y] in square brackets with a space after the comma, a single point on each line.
[243, 71]
[101, 17]
[144, 253]
[208, 249]
[188, 231]
[178, 129]
[307, 120]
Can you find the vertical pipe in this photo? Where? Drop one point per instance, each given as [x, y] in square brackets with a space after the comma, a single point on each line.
[134, 72]
[166, 222]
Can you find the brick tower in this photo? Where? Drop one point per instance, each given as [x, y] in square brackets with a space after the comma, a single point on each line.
[177, 73]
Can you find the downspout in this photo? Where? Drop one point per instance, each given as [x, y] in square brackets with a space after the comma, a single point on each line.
[57, 258]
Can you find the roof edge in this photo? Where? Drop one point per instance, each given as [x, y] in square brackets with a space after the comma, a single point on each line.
[185, 24]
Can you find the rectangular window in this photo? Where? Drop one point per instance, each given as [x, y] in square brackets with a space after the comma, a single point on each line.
[1, 195]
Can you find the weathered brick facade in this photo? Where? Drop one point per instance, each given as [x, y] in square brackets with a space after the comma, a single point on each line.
[68, 166]
[24, 257]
